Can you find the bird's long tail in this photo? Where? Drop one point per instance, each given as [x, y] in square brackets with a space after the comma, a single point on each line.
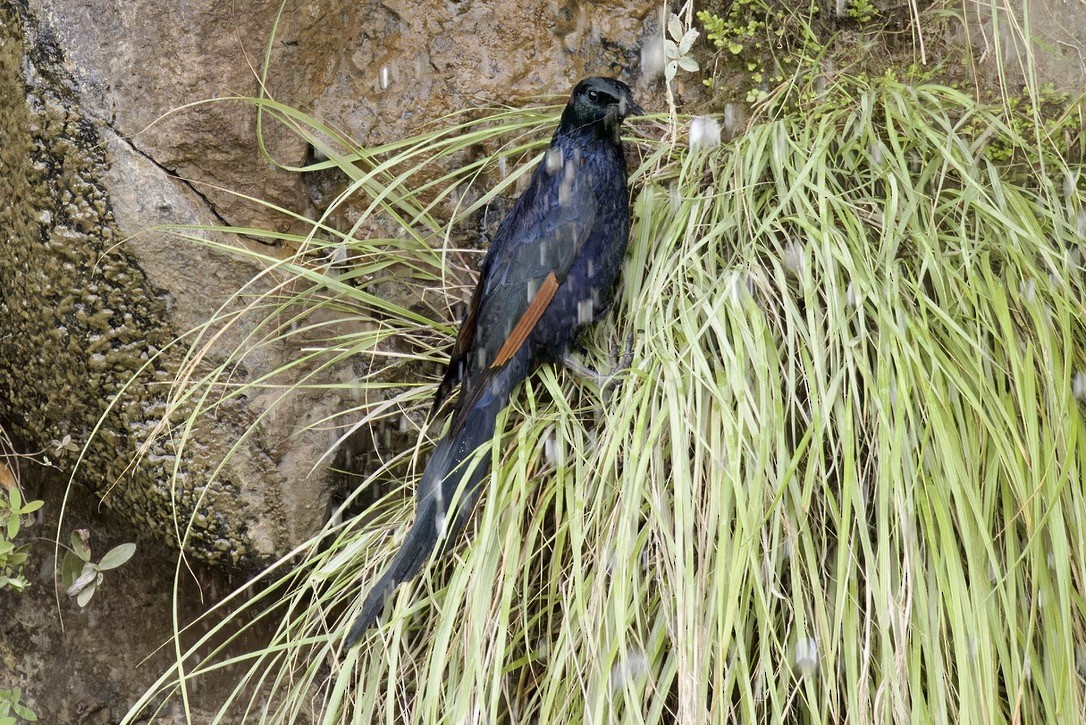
[451, 478]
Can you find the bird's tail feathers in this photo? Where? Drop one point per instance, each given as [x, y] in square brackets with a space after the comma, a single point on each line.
[450, 483]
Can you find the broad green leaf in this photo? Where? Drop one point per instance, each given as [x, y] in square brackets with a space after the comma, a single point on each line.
[117, 556]
[85, 594]
[688, 41]
[675, 27]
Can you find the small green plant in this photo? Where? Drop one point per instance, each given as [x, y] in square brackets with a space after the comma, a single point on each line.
[862, 11]
[12, 710]
[677, 48]
[12, 557]
[80, 575]
[743, 26]
[755, 34]
[1046, 113]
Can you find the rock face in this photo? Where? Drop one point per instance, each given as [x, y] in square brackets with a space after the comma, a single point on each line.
[98, 144]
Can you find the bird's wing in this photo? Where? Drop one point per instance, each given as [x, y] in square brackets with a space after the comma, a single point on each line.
[544, 237]
[528, 260]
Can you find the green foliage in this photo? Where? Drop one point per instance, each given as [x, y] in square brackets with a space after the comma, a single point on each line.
[677, 48]
[842, 479]
[746, 26]
[862, 11]
[1044, 115]
[12, 710]
[770, 43]
[13, 557]
[79, 575]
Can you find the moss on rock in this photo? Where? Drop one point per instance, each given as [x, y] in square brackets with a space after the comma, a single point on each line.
[79, 320]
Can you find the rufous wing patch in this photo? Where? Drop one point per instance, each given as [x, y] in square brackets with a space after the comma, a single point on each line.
[527, 321]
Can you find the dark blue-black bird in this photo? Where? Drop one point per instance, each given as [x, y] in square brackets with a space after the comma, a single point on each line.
[549, 272]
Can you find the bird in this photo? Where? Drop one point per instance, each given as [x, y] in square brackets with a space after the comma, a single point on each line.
[550, 271]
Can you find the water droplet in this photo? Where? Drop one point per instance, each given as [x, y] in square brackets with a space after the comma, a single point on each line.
[704, 133]
[1027, 288]
[806, 655]
[1070, 184]
[874, 150]
[585, 312]
[1078, 385]
[552, 160]
[629, 669]
[652, 56]
[735, 116]
[823, 79]
[550, 450]
[794, 258]
[852, 297]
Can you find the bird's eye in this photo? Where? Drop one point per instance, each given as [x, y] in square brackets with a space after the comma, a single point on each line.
[593, 96]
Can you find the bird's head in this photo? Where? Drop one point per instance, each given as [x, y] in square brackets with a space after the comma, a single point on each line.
[599, 102]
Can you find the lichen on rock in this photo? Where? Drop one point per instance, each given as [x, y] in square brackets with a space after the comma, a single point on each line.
[87, 334]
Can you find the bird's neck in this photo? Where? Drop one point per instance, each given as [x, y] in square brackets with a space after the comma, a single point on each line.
[571, 126]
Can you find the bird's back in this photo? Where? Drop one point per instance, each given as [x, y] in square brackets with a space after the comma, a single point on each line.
[571, 221]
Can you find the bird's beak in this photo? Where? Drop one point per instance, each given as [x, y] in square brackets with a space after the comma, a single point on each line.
[628, 108]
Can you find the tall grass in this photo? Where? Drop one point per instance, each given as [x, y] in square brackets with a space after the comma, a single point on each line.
[841, 482]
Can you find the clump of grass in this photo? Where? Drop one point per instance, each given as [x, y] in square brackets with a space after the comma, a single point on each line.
[841, 481]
